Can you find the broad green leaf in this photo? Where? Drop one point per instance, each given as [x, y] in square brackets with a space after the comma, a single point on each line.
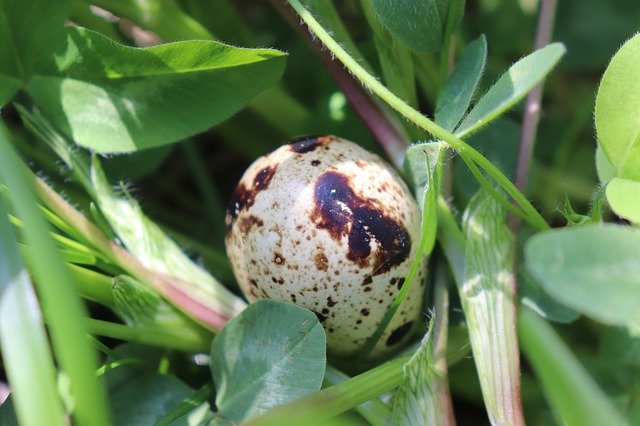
[26, 354]
[146, 398]
[271, 354]
[617, 110]
[29, 30]
[138, 394]
[331, 401]
[65, 312]
[112, 98]
[416, 23]
[594, 270]
[488, 300]
[417, 400]
[511, 87]
[606, 170]
[454, 100]
[574, 396]
[623, 196]
[532, 296]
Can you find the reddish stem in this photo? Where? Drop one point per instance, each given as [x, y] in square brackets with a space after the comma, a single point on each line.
[383, 130]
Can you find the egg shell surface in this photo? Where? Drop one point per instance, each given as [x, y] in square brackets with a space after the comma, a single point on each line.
[329, 226]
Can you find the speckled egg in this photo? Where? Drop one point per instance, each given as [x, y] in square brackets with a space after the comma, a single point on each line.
[329, 226]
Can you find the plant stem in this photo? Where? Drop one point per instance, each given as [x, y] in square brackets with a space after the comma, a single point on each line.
[463, 149]
[329, 402]
[383, 130]
[442, 395]
[163, 338]
[169, 287]
[374, 410]
[532, 105]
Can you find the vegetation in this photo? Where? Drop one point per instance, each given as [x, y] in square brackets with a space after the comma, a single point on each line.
[126, 125]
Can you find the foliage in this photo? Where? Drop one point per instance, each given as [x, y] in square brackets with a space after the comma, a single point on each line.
[125, 125]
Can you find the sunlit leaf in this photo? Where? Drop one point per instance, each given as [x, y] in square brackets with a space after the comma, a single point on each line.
[113, 98]
[594, 270]
[512, 86]
[271, 354]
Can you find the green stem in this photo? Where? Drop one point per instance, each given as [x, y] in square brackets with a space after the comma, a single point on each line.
[374, 410]
[427, 240]
[194, 400]
[461, 147]
[163, 338]
[332, 401]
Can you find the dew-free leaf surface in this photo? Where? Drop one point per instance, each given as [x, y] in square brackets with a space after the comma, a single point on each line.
[593, 269]
[271, 354]
[113, 98]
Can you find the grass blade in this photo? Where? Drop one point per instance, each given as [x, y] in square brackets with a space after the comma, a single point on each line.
[64, 311]
[25, 351]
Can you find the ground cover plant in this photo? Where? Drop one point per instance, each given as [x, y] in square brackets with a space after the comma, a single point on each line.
[126, 126]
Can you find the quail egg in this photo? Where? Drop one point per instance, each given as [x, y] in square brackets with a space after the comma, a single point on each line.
[325, 224]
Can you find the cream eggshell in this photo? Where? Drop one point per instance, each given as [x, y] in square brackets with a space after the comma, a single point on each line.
[329, 226]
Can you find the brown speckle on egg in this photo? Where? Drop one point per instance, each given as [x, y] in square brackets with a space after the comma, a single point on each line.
[321, 221]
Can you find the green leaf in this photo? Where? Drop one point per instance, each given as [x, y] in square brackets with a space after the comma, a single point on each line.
[572, 393]
[454, 100]
[26, 353]
[146, 398]
[512, 86]
[532, 296]
[269, 355]
[623, 196]
[334, 400]
[29, 30]
[594, 270]
[112, 98]
[416, 400]
[139, 395]
[487, 296]
[416, 23]
[617, 110]
[606, 170]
